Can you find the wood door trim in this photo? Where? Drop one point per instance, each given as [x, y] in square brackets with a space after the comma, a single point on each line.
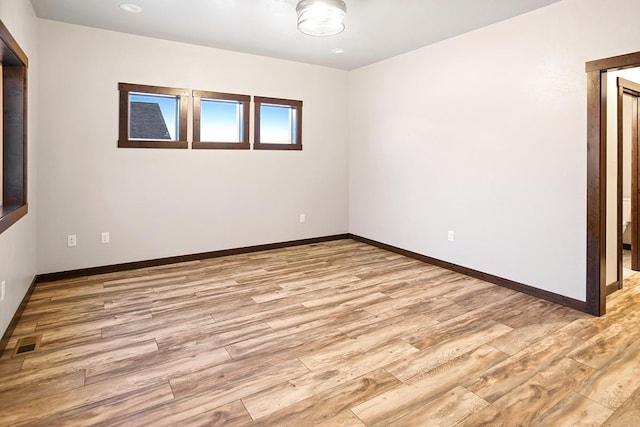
[614, 63]
[620, 154]
[635, 170]
[596, 192]
[627, 87]
[632, 88]
[596, 291]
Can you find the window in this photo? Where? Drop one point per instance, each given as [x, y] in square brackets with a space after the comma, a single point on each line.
[278, 124]
[152, 117]
[13, 167]
[220, 120]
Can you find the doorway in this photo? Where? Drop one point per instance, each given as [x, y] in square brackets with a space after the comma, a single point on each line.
[596, 176]
[628, 173]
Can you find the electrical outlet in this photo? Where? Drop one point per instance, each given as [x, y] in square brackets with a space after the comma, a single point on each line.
[303, 217]
[72, 241]
[105, 237]
[450, 235]
[3, 285]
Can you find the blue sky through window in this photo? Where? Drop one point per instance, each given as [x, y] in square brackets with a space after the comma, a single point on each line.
[277, 124]
[168, 105]
[220, 121]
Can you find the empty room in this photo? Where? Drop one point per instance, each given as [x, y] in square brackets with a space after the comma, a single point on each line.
[320, 212]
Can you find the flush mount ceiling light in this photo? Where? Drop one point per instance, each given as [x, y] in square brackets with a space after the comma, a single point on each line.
[321, 17]
[130, 7]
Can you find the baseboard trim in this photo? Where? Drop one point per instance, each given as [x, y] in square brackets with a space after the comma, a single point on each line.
[612, 287]
[496, 280]
[500, 281]
[63, 275]
[16, 316]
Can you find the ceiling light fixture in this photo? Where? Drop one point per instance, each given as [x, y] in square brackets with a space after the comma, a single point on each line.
[321, 17]
[130, 7]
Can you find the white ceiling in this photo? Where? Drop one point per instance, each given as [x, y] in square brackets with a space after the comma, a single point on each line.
[375, 29]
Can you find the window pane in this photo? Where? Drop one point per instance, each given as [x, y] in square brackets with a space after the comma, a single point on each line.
[153, 117]
[220, 121]
[277, 124]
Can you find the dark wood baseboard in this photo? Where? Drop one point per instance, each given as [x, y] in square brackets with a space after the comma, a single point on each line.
[496, 280]
[50, 277]
[16, 317]
[612, 287]
[500, 281]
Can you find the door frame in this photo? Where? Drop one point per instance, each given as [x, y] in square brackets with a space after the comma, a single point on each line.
[596, 298]
[627, 87]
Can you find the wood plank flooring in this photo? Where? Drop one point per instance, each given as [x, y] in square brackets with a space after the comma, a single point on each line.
[331, 334]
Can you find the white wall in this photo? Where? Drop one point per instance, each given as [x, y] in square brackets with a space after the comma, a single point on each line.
[485, 134]
[18, 243]
[632, 74]
[158, 203]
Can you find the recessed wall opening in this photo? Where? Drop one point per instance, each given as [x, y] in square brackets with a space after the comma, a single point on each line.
[623, 222]
[604, 183]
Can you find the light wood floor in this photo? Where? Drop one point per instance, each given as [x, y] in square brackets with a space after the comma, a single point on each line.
[332, 334]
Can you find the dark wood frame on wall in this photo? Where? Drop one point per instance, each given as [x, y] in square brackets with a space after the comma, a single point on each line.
[596, 175]
[123, 135]
[245, 100]
[14, 126]
[258, 145]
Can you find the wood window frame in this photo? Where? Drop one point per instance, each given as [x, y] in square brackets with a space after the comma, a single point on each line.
[14, 130]
[198, 95]
[258, 101]
[124, 141]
